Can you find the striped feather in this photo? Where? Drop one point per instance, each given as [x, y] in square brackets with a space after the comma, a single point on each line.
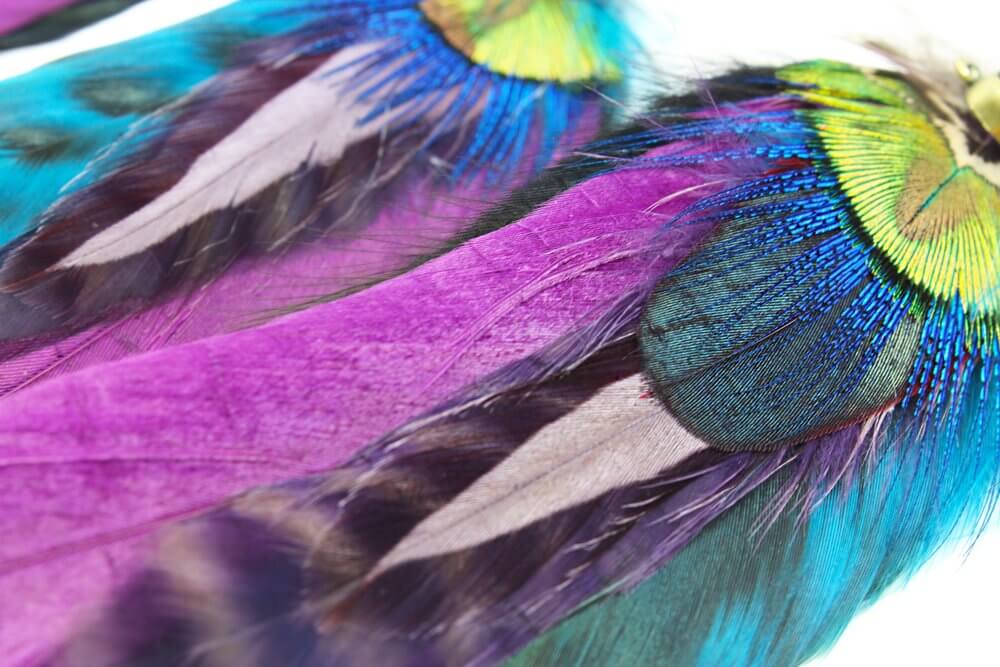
[178, 196]
[239, 438]
[339, 538]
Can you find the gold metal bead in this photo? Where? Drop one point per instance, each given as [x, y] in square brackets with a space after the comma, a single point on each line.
[982, 96]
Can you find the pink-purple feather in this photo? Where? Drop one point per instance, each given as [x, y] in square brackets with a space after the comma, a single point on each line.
[96, 460]
[17, 13]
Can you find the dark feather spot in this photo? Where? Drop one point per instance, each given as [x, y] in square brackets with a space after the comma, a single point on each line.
[979, 140]
[121, 94]
[38, 145]
[226, 47]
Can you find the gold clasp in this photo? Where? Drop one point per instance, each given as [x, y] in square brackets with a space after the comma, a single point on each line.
[982, 96]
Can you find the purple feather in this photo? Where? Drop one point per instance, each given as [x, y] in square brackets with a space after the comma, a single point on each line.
[17, 13]
[109, 453]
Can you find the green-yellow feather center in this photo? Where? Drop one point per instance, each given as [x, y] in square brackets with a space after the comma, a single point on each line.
[549, 40]
[929, 205]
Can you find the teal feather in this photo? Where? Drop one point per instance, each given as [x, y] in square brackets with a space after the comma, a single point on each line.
[762, 590]
[880, 414]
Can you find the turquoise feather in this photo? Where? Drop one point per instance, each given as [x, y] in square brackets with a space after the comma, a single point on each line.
[56, 121]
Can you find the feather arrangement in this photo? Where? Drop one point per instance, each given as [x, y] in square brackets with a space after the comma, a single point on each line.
[694, 396]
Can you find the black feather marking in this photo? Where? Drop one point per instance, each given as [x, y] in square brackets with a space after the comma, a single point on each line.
[75, 297]
[289, 562]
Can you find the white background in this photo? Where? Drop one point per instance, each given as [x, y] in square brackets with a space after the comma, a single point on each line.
[947, 614]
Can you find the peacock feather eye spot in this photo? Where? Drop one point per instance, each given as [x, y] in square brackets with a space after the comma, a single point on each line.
[919, 195]
[514, 37]
[121, 94]
[860, 275]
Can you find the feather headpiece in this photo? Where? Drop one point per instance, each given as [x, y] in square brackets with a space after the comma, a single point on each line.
[696, 395]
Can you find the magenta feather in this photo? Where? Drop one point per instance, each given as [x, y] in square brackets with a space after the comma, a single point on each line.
[297, 395]
[17, 13]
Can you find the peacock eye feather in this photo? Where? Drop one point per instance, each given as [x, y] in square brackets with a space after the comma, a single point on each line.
[862, 273]
[546, 40]
[927, 202]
